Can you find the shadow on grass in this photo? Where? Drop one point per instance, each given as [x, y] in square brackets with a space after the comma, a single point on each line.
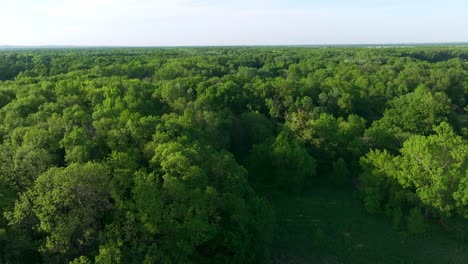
[328, 225]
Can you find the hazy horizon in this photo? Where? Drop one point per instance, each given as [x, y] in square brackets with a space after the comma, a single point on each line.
[147, 23]
[416, 44]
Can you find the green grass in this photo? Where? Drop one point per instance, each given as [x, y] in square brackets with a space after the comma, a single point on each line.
[351, 235]
[462, 119]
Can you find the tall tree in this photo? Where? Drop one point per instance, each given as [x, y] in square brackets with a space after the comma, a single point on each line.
[68, 205]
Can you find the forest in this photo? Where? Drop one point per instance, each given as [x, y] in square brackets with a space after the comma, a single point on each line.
[234, 155]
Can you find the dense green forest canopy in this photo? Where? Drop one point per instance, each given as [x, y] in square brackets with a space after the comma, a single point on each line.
[172, 155]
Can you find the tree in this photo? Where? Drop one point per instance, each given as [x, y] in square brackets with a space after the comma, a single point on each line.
[249, 129]
[78, 146]
[185, 142]
[433, 168]
[329, 137]
[202, 192]
[70, 205]
[282, 163]
[412, 113]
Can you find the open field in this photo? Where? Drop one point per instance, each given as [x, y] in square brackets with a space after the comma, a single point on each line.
[351, 235]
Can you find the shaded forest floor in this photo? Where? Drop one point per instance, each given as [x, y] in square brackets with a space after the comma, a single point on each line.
[462, 119]
[326, 225]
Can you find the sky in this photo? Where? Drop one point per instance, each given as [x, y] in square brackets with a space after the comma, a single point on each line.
[231, 22]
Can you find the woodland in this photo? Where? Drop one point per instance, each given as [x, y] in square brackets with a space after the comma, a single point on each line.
[234, 155]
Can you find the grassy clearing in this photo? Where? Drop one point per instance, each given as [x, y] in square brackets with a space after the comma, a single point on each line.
[462, 119]
[326, 225]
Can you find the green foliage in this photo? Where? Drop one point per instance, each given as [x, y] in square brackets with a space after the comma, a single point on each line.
[412, 113]
[249, 129]
[69, 205]
[173, 155]
[375, 185]
[282, 163]
[329, 137]
[461, 196]
[205, 194]
[191, 189]
[435, 166]
[430, 172]
[81, 260]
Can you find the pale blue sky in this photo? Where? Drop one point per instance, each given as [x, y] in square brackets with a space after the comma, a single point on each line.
[230, 22]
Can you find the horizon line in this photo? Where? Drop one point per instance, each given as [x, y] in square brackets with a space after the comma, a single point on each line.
[396, 44]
